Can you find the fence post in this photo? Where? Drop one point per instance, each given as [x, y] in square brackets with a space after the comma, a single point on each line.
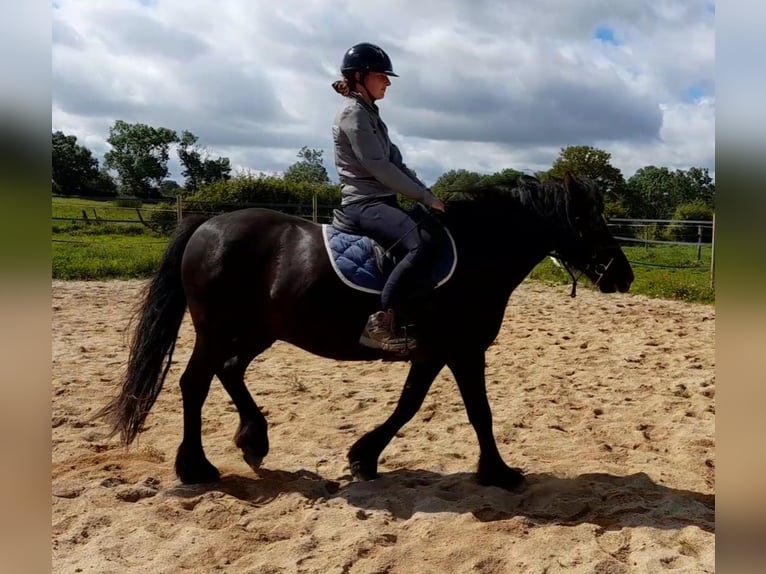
[314, 214]
[699, 243]
[179, 212]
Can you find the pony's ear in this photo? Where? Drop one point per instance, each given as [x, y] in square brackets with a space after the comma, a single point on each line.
[572, 185]
[569, 181]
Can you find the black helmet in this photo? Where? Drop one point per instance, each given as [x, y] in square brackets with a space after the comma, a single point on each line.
[367, 57]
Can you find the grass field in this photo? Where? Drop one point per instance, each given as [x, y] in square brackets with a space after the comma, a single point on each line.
[98, 250]
[106, 256]
[70, 214]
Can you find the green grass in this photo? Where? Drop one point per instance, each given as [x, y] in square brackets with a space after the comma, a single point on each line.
[87, 213]
[92, 249]
[88, 247]
[106, 256]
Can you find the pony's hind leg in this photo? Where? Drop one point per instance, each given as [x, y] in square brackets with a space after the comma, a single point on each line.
[192, 466]
[252, 435]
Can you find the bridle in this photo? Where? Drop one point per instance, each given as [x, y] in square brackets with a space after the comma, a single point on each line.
[598, 269]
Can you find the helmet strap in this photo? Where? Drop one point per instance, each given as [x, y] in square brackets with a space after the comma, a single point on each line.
[362, 82]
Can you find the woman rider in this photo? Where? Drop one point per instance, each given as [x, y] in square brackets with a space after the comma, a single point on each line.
[372, 173]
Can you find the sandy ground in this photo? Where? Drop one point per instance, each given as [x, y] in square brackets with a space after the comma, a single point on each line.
[607, 402]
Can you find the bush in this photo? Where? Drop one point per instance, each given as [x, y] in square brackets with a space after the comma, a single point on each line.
[651, 232]
[248, 190]
[615, 210]
[694, 211]
[128, 202]
[164, 218]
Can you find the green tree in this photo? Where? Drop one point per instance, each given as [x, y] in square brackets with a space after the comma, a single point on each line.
[75, 171]
[595, 164]
[455, 179]
[199, 169]
[508, 175]
[169, 188]
[309, 169]
[656, 192]
[650, 192]
[140, 156]
[698, 186]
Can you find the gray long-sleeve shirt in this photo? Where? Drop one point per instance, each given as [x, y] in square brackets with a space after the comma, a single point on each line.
[368, 164]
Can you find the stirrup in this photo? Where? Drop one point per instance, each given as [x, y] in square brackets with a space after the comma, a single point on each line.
[380, 333]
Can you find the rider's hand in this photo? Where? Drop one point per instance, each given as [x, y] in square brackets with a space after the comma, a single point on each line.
[438, 205]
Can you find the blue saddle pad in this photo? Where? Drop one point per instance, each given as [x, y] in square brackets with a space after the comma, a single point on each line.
[353, 258]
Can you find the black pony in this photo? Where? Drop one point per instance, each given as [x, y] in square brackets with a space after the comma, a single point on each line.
[255, 276]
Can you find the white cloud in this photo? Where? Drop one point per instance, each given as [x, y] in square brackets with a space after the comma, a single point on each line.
[484, 85]
[688, 131]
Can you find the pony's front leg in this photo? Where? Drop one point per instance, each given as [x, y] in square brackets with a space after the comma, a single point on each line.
[469, 374]
[363, 455]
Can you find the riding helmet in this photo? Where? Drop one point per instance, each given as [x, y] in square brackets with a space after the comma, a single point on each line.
[366, 57]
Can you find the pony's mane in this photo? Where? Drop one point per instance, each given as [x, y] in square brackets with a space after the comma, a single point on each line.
[546, 199]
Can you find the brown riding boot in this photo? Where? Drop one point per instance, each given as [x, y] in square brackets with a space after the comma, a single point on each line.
[381, 333]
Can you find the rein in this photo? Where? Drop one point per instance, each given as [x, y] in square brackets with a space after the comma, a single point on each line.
[406, 233]
[599, 269]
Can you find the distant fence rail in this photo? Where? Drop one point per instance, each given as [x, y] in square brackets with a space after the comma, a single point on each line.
[88, 212]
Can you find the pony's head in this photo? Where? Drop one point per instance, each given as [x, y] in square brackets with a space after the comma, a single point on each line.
[587, 244]
[564, 215]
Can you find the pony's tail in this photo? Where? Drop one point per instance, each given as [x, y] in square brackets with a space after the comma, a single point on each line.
[159, 317]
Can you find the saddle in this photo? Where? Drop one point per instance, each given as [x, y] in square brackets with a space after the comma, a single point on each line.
[384, 261]
[363, 264]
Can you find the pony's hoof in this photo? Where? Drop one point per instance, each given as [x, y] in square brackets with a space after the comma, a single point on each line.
[193, 467]
[364, 471]
[508, 478]
[253, 460]
[198, 474]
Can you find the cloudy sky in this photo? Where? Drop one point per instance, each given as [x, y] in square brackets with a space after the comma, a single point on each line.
[484, 84]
